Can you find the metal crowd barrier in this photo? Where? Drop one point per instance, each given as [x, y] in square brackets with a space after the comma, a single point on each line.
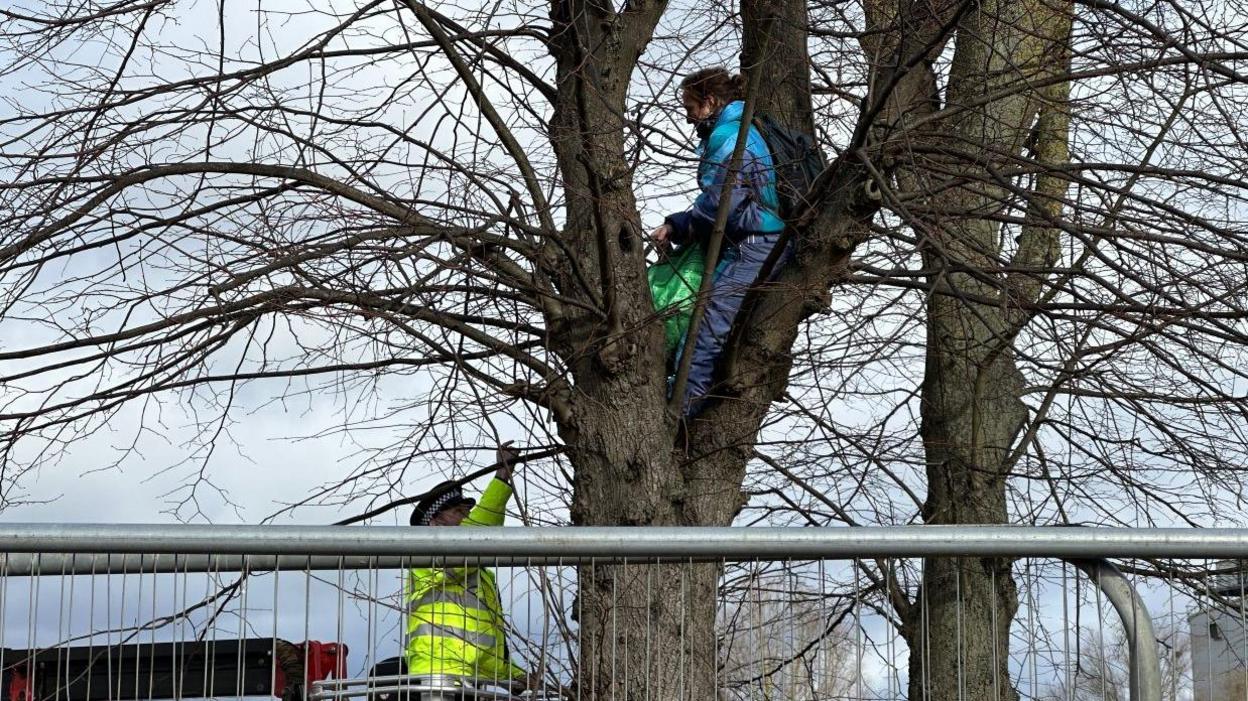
[139, 612]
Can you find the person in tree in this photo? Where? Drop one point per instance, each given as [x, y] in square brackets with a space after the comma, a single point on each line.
[455, 616]
[713, 102]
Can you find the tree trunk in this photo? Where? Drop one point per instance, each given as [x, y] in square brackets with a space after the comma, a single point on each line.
[971, 416]
[972, 408]
[646, 632]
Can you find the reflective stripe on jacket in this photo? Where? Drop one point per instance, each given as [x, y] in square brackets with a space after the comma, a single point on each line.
[455, 616]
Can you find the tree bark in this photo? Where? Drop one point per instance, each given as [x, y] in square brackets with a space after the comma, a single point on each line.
[645, 632]
[972, 408]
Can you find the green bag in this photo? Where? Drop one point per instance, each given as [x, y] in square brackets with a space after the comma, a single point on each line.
[674, 283]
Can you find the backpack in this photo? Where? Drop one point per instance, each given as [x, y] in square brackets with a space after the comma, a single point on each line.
[797, 159]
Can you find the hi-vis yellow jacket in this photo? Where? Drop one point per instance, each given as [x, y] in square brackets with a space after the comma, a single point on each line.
[455, 617]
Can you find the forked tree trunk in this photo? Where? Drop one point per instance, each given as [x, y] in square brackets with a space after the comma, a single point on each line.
[972, 408]
[647, 633]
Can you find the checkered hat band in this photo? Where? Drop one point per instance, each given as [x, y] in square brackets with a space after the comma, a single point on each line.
[436, 506]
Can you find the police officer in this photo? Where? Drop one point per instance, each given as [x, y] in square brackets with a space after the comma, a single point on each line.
[455, 616]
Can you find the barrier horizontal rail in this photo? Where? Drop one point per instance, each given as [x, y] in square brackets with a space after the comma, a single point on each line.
[524, 546]
[374, 686]
[26, 564]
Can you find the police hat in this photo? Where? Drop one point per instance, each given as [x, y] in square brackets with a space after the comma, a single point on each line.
[443, 496]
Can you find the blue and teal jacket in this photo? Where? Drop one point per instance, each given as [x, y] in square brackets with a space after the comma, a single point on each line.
[754, 204]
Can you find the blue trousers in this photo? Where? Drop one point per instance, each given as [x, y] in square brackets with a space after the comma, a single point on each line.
[738, 268]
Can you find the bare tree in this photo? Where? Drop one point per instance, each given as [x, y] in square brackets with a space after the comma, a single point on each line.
[1101, 667]
[780, 639]
[344, 198]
